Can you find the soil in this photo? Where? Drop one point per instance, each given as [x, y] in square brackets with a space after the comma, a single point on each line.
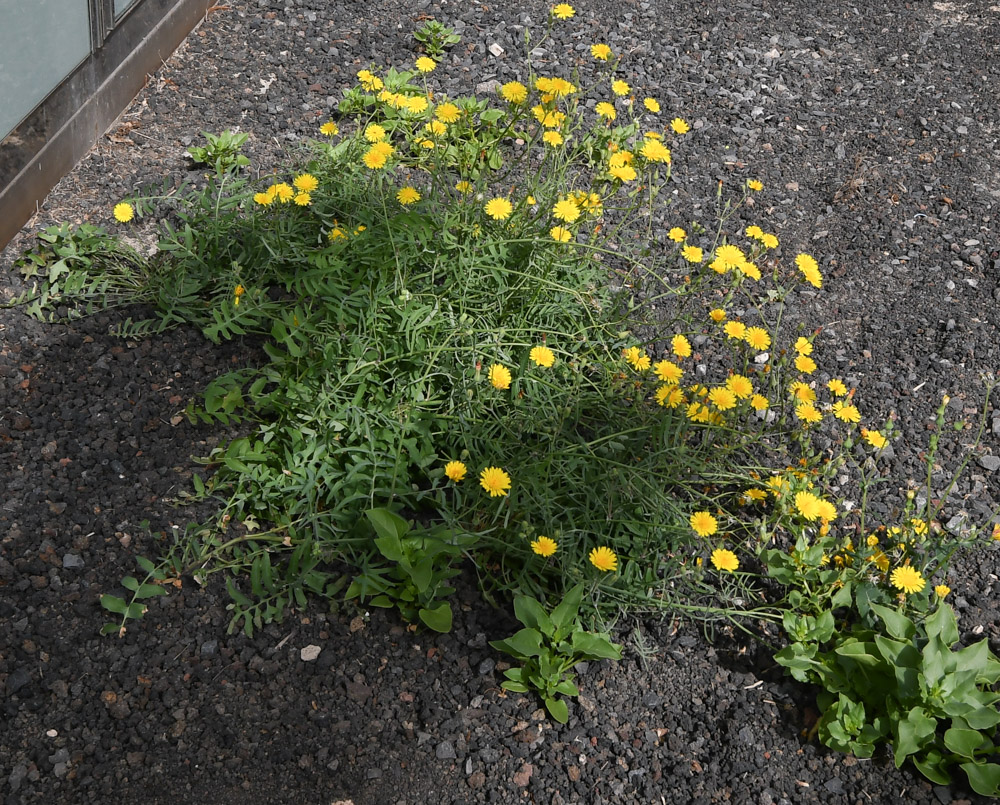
[872, 126]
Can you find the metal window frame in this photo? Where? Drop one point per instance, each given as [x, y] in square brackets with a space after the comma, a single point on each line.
[50, 140]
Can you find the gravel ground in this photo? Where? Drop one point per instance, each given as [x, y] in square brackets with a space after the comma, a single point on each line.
[872, 126]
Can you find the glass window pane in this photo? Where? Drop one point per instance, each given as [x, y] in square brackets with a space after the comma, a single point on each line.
[41, 42]
[121, 6]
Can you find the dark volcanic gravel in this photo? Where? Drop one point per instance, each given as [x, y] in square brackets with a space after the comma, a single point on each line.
[873, 127]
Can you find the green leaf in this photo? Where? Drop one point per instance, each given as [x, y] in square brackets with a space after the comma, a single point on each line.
[525, 643]
[898, 626]
[941, 622]
[532, 614]
[149, 591]
[963, 742]
[437, 618]
[912, 733]
[557, 709]
[983, 777]
[111, 628]
[130, 583]
[113, 603]
[564, 615]
[517, 687]
[843, 598]
[148, 567]
[933, 767]
[594, 646]
[567, 688]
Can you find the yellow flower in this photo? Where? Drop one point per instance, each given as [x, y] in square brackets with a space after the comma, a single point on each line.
[757, 337]
[425, 64]
[755, 184]
[717, 314]
[305, 182]
[655, 151]
[495, 481]
[329, 129]
[681, 346]
[336, 234]
[264, 199]
[544, 546]
[620, 87]
[499, 209]
[704, 524]
[692, 254]
[808, 413]
[284, 192]
[668, 371]
[652, 105]
[416, 104]
[907, 580]
[754, 232]
[553, 138]
[846, 413]
[802, 392]
[302, 199]
[542, 356]
[808, 505]
[770, 241]
[804, 347]
[740, 385]
[837, 387]
[514, 92]
[600, 51]
[606, 110]
[463, 187]
[408, 195]
[563, 11]
[625, 173]
[370, 82]
[680, 125]
[436, 128]
[374, 133]
[531, 200]
[810, 269]
[560, 233]
[759, 402]
[942, 590]
[725, 560]
[828, 513]
[722, 398]
[448, 113]
[805, 364]
[919, 526]
[670, 396]
[749, 269]
[566, 210]
[603, 559]
[499, 376]
[874, 438]
[123, 212]
[731, 256]
[735, 330]
[455, 470]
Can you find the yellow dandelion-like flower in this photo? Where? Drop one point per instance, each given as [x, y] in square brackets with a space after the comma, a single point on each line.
[808, 505]
[805, 364]
[828, 513]
[302, 199]
[692, 254]
[600, 51]
[680, 125]
[560, 233]
[655, 151]
[754, 232]
[740, 385]
[735, 330]
[553, 138]
[759, 402]
[919, 526]
[374, 133]
[668, 371]
[436, 128]
[677, 234]
[907, 580]
[123, 212]
[408, 195]
[846, 413]
[942, 590]
[604, 559]
[284, 192]
[544, 546]
[837, 387]
[448, 113]
[722, 398]
[264, 199]
[731, 256]
[514, 92]
[723, 559]
[566, 210]
[757, 337]
[455, 470]
[810, 269]
[425, 64]
[770, 241]
[717, 315]
[417, 104]
[606, 110]
[463, 187]
[874, 438]
[681, 346]
[373, 159]
[802, 391]
[563, 11]
[370, 82]
[500, 376]
[652, 105]
[329, 129]
[808, 413]
[755, 184]
[495, 481]
[804, 346]
[305, 182]
[620, 88]
[703, 524]
[499, 209]
[542, 356]
[625, 173]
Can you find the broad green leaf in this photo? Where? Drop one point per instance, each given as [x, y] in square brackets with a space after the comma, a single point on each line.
[517, 687]
[984, 778]
[590, 645]
[912, 733]
[525, 643]
[558, 710]
[942, 622]
[564, 615]
[532, 614]
[567, 688]
[437, 618]
[898, 626]
[149, 591]
[860, 653]
[130, 583]
[148, 566]
[843, 597]
[933, 767]
[387, 524]
[113, 603]
[963, 742]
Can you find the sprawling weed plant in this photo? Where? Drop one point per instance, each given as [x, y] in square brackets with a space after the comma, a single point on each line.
[456, 366]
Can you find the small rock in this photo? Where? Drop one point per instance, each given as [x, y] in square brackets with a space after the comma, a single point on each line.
[17, 680]
[309, 653]
[523, 776]
[990, 463]
[209, 648]
[445, 751]
[72, 561]
[358, 691]
[476, 779]
[496, 49]
[486, 667]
